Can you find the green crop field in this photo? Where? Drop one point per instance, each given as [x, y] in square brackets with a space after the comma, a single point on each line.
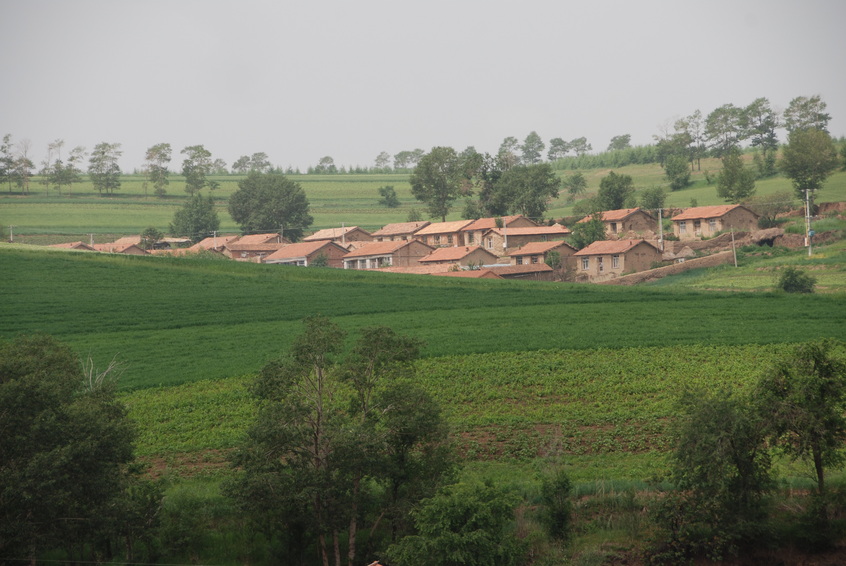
[343, 199]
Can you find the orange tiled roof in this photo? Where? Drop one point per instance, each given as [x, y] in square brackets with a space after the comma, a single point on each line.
[700, 212]
[443, 227]
[554, 230]
[400, 228]
[250, 239]
[539, 247]
[209, 243]
[268, 247]
[381, 248]
[614, 215]
[488, 223]
[300, 249]
[73, 246]
[452, 254]
[115, 248]
[333, 233]
[471, 274]
[603, 247]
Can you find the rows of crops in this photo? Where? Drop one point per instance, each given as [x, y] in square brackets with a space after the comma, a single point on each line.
[603, 402]
[176, 321]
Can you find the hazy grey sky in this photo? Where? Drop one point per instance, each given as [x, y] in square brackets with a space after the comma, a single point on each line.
[299, 80]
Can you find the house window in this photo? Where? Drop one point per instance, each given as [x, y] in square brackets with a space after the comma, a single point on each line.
[585, 263]
[613, 227]
[615, 261]
[519, 260]
[697, 226]
[490, 243]
[437, 240]
[712, 223]
[534, 259]
[601, 264]
[449, 239]
[470, 238]
[682, 226]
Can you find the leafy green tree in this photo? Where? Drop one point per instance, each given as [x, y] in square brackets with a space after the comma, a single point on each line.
[532, 149]
[389, 196]
[103, 168]
[436, 181]
[580, 146]
[196, 167]
[22, 166]
[620, 142]
[760, 123]
[677, 171]
[575, 184]
[615, 191]
[241, 165]
[414, 216]
[792, 280]
[64, 450]
[197, 219]
[156, 172]
[803, 397]
[7, 160]
[584, 234]
[383, 161]
[150, 236]
[735, 182]
[769, 206]
[806, 113]
[690, 132]
[558, 148]
[463, 524]
[652, 198]
[260, 163]
[724, 128]
[808, 159]
[556, 506]
[528, 189]
[507, 153]
[267, 202]
[326, 165]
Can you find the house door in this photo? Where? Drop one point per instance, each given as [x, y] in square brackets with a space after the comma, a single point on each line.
[601, 264]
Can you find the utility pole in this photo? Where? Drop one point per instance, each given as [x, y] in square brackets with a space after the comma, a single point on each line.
[91, 240]
[661, 229]
[808, 232]
[11, 233]
[214, 240]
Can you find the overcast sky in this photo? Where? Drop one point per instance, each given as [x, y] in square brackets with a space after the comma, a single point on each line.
[300, 80]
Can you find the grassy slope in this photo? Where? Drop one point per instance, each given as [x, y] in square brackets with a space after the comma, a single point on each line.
[177, 320]
[335, 200]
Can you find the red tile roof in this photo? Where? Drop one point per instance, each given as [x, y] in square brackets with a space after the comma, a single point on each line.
[604, 247]
[554, 230]
[300, 249]
[399, 228]
[73, 246]
[269, 247]
[534, 248]
[700, 212]
[488, 223]
[454, 253]
[209, 243]
[250, 239]
[381, 248]
[471, 274]
[442, 227]
[333, 233]
[615, 215]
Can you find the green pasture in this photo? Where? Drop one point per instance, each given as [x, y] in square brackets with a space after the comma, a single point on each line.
[178, 320]
[335, 200]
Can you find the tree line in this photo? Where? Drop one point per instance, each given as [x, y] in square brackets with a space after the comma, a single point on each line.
[349, 461]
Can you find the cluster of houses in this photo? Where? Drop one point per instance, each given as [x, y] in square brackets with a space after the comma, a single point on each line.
[513, 247]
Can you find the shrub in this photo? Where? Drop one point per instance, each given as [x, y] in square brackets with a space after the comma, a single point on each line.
[794, 280]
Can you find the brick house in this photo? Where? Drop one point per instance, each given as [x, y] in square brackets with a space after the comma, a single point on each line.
[216, 243]
[304, 254]
[116, 248]
[707, 221]
[443, 234]
[626, 220]
[343, 236]
[607, 259]
[398, 231]
[501, 240]
[465, 256]
[74, 246]
[475, 231]
[399, 253]
[536, 252]
[532, 272]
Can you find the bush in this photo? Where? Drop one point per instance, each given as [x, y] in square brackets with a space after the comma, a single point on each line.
[793, 280]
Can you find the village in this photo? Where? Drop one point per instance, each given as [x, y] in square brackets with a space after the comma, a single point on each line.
[508, 247]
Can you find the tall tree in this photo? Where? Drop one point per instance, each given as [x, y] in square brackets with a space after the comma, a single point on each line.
[436, 181]
[197, 219]
[196, 167]
[580, 146]
[588, 232]
[241, 165]
[804, 113]
[507, 152]
[326, 165]
[532, 149]
[260, 163]
[383, 160]
[623, 141]
[677, 171]
[267, 202]
[804, 398]
[22, 165]
[724, 128]
[690, 129]
[760, 122]
[575, 184]
[7, 160]
[736, 182]
[558, 148]
[156, 172]
[526, 190]
[64, 449]
[615, 191]
[808, 159]
[103, 168]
